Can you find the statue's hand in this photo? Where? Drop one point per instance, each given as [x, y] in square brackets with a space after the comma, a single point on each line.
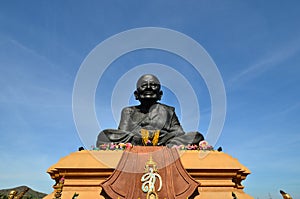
[137, 139]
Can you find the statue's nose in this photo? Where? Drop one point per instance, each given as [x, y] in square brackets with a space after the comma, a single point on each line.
[148, 85]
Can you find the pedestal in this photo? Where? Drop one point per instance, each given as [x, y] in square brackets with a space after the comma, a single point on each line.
[219, 174]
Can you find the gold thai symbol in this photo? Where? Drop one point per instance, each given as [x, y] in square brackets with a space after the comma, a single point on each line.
[149, 179]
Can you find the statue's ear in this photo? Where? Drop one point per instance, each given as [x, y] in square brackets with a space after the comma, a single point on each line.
[160, 94]
[136, 95]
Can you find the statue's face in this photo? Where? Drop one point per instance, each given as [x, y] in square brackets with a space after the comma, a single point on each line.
[148, 87]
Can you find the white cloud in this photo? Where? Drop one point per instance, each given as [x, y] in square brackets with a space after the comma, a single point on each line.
[268, 61]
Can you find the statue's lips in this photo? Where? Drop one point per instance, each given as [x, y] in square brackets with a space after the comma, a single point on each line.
[148, 94]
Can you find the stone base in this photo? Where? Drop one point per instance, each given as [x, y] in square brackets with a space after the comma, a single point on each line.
[218, 173]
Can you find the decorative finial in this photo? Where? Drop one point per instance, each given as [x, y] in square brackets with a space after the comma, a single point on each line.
[285, 195]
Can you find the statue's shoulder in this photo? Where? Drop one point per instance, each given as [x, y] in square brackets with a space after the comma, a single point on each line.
[129, 109]
[167, 107]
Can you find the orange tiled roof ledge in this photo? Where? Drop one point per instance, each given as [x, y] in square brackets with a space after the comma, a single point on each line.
[218, 173]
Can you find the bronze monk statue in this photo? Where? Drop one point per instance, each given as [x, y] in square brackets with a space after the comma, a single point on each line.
[150, 123]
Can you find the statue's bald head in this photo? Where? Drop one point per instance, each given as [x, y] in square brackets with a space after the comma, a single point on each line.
[148, 88]
[147, 78]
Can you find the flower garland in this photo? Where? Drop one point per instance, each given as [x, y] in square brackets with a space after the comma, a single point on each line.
[112, 146]
[203, 145]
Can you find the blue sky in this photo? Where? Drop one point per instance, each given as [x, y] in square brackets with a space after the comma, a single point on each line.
[255, 45]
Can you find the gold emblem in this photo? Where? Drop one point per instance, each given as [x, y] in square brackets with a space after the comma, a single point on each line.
[149, 179]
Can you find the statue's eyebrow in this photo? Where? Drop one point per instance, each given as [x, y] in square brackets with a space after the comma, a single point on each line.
[149, 82]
